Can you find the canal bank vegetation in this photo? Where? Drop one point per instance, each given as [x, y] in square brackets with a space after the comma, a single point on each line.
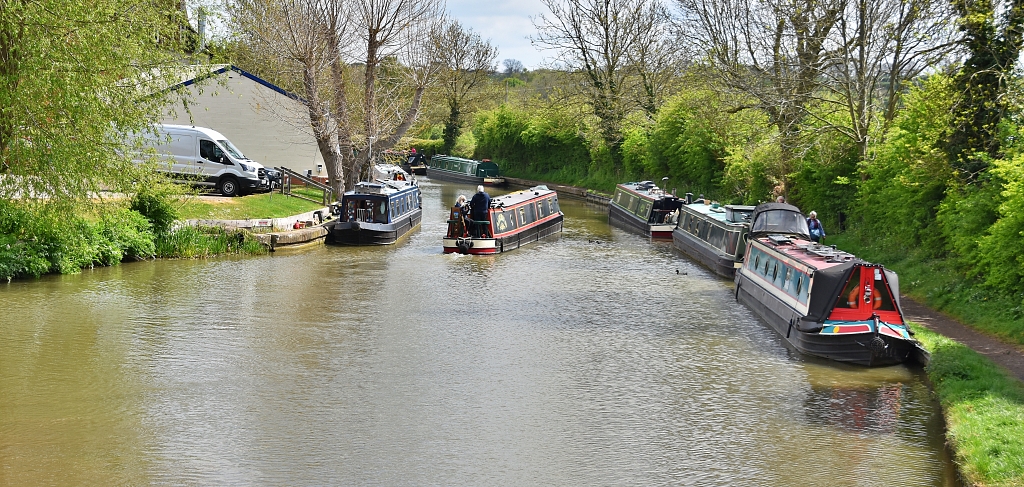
[984, 410]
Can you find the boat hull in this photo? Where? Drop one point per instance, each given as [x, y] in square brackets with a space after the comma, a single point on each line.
[368, 233]
[720, 263]
[861, 349]
[485, 246]
[627, 221]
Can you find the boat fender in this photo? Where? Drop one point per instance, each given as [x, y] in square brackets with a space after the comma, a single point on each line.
[790, 329]
[463, 245]
[808, 325]
[737, 296]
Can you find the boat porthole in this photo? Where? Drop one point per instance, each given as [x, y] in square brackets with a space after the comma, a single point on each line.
[765, 267]
[799, 284]
[775, 272]
[757, 261]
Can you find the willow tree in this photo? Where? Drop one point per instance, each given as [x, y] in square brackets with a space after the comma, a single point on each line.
[74, 78]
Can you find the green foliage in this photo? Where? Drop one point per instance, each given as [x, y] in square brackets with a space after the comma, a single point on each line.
[908, 176]
[687, 142]
[1002, 249]
[125, 233]
[465, 145]
[74, 77]
[156, 203]
[824, 181]
[427, 147]
[748, 175]
[532, 144]
[984, 410]
[38, 238]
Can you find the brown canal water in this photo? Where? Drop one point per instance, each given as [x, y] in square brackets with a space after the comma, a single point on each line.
[582, 360]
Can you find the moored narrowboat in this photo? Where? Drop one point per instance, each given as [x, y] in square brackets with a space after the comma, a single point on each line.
[461, 170]
[713, 234]
[644, 208]
[823, 301]
[514, 220]
[377, 213]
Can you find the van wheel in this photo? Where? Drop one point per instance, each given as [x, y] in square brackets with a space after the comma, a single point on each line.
[229, 187]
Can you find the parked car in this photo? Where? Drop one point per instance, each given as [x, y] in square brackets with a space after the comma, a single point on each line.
[204, 157]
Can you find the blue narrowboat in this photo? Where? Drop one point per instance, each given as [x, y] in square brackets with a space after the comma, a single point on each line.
[378, 212]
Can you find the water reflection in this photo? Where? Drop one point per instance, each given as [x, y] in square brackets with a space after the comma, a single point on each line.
[565, 362]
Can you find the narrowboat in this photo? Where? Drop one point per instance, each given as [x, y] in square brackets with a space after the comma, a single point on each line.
[377, 212]
[461, 170]
[415, 163]
[713, 235]
[643, 208]
[514, 220]
[390, 172]
[823, 301]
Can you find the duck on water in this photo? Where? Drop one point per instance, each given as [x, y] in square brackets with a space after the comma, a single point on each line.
[823, 301]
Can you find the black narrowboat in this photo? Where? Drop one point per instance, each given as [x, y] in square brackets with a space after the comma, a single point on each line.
[514, 220]
[644, 208]
[377, 213]
[823, 301]
[713, 235]
[457, 169]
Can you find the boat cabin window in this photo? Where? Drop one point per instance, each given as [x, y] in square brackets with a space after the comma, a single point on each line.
[531, 213]
[552, 205]
[882, 300]
[780, 221]
[850, 297]
[643, 209]
[504, 221]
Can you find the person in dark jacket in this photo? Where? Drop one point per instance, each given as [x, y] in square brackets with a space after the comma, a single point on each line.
[478, 207]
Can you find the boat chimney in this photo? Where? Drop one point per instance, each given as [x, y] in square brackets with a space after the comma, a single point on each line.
[689, 198]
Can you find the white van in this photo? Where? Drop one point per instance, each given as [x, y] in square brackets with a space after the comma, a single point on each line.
[202, 156]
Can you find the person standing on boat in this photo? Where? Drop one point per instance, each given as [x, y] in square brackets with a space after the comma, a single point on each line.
[814, 225]
[478, 207]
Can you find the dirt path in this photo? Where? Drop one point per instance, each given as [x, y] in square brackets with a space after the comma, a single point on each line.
[1009, 356]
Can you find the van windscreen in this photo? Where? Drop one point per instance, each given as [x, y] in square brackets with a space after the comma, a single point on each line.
[228, 146]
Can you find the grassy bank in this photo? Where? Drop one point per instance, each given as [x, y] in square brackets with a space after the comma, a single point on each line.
[984, 411]
[46, 237]
[269, 205]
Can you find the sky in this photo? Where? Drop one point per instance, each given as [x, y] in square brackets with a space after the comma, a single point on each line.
[506, 23]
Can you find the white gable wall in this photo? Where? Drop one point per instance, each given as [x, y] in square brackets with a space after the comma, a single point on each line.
[265, 125]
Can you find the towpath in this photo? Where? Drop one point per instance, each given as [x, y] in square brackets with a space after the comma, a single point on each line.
[1011, 357]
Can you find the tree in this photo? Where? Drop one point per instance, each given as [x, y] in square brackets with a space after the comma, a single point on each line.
[327, 43]
[992, 38]
[513, 67]
[773, 52]
[75, 78]
[466, 62]
[597, 40]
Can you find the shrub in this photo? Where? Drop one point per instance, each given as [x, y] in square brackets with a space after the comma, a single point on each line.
[156, 203]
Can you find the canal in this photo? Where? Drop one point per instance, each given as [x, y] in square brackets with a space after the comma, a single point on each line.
[593, 358]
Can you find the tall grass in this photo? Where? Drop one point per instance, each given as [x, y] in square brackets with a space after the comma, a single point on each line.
[193, 242]
[984, 411]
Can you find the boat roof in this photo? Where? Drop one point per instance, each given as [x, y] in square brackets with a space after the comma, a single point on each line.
[646, 189]
[723, 213]
[831, 268]
[521, 196]
[380, 188]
